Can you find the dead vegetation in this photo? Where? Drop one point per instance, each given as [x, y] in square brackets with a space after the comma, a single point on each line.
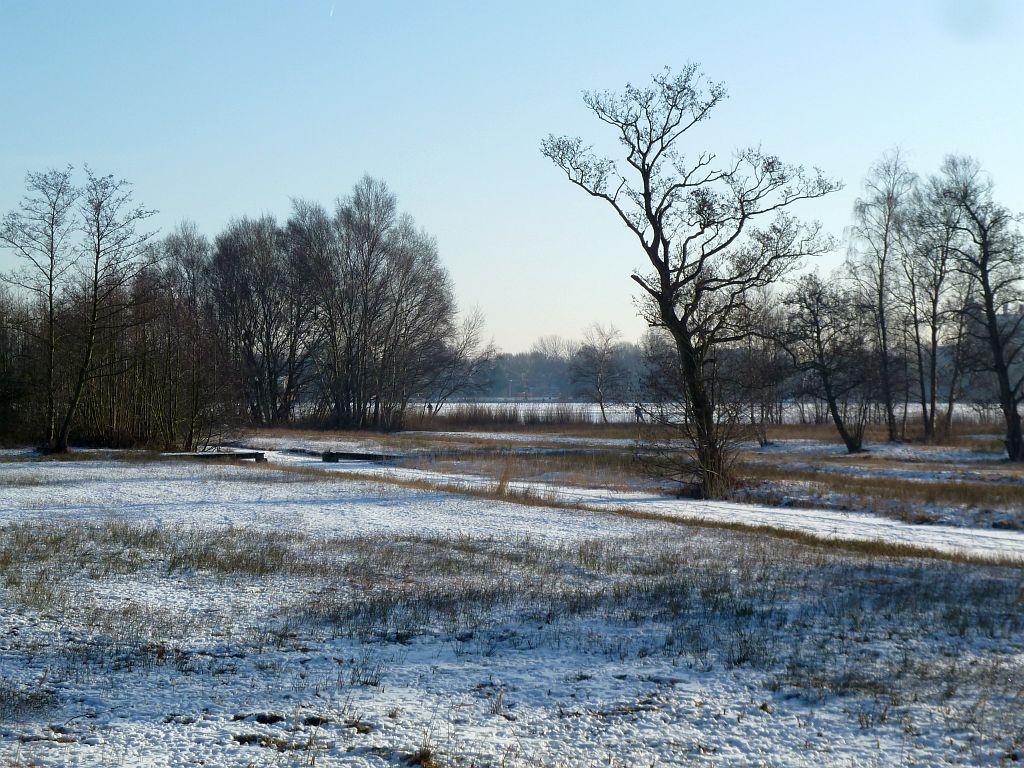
[882, 494]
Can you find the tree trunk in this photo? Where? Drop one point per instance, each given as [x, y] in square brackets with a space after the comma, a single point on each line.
[711, 463]
[60, 444]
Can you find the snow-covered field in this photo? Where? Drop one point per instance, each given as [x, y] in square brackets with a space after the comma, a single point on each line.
[172, 613]
[822, 523]
[995, 517]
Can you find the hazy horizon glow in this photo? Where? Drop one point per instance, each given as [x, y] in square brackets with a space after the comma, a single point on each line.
[227, 109]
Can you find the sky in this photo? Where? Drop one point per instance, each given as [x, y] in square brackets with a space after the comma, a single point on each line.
[215, 110]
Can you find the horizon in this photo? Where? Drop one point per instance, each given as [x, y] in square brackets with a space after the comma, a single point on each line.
[233, 110]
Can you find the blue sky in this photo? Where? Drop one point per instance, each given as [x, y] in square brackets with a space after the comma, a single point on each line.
[218, 109]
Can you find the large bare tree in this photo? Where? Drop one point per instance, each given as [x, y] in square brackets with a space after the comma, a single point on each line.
[384, 305]
[712, 231]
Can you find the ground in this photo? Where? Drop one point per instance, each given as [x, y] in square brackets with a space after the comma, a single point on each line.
[475, 605]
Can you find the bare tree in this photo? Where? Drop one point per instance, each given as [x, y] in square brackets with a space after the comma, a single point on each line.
[263, 292]
[596, 368]
[114, 251]
[928, 285]
[463, 360]
[700, 226]
[880, 218]
[826, 340]
[385, 306]
[41, 234]
[990, 252]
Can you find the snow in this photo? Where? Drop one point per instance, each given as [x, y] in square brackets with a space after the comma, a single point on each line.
[827, 524]
[185, 493]
[891, 451]
[196, 659]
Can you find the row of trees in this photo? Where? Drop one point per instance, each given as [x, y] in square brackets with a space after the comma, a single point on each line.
[933, 280]
[927, 306]
[937, 265]
[111, 335]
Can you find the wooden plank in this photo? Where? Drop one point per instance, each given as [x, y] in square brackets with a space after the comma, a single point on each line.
[333, 457]
[255, 456]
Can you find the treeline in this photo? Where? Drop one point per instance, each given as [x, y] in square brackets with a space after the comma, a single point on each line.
[926, 312]
[600, 367]
[112, 336]
[342, 318]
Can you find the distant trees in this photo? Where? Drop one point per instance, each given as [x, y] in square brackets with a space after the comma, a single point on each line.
[931, 290]
[756, 371]
[110, 336]
[712, 233]
[597, 368]
[15, 375]
[937, 265]
[465, 363]
[263, 298]
[190, 373]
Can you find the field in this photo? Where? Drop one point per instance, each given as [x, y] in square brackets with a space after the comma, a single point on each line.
[518, 598]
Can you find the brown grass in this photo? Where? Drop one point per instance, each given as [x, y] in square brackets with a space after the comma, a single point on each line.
[602, 469]
[964, 435]
[976, 494]
[867, 547]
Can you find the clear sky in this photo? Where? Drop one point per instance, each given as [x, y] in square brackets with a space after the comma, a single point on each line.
[218, 109]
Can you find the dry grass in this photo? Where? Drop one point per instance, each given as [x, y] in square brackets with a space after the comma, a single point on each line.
[981, 436]
[867, 547]
[959, 492]
[128, 456]
[583, 468]
[893, 496]
[20, 700]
